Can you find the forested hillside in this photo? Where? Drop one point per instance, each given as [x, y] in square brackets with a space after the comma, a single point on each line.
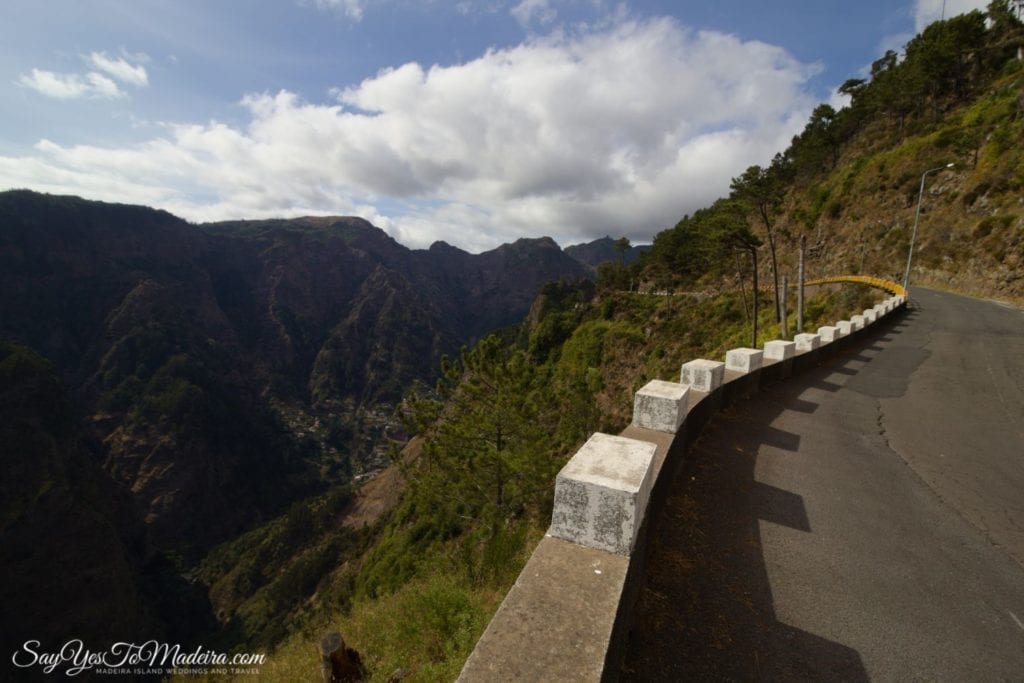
[849, 183]
[184, 384]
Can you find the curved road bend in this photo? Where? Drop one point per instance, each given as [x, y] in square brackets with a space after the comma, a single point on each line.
[862, 522]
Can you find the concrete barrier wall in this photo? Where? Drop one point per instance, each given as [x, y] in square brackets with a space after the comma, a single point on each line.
[568, 615]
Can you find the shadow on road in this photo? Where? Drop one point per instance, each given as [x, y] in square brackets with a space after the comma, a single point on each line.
[825, 385]
[705, 611]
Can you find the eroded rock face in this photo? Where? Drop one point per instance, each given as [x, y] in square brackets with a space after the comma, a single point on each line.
[55, 497]
[177, 341]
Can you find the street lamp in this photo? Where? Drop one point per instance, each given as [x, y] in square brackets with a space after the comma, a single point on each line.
[917, 217]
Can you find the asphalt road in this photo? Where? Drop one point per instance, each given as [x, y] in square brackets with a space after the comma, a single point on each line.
[864, 521]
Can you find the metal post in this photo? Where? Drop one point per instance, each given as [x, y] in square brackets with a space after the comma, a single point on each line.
[800, 289]
[863, 250]
[782, 306]
[338, 662]
[330, 648]
[753, 331]
[917, 217]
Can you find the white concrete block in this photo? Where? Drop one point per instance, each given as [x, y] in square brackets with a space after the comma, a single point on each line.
[702, 375]
[845, 327]
[601, 494]
[829, 334]
[870, 315]
[743, 359]
[857, 321]
[806, 342]
[779, 349]
[660, 405]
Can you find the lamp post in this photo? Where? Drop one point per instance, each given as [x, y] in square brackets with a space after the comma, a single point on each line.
[917, 217]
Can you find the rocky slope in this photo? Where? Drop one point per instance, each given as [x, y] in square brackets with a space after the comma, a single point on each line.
[952, 107]
[180, 343]
[76, 563]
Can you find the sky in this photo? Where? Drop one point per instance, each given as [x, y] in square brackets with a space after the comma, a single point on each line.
[475, 122]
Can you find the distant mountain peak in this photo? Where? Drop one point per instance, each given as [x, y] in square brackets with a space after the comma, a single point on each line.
[544, 242]
[442, 247]
[333, 221]
[602, 250]
[185, 338]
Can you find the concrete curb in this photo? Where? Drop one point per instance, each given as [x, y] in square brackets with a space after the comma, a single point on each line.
[569, 613]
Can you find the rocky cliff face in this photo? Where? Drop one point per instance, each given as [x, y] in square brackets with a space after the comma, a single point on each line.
[178, 342]
[68, 542]
[603, 250]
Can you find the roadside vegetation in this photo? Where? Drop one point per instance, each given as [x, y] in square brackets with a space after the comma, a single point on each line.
[414, 591]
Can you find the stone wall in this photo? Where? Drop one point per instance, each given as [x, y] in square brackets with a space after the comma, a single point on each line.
[567, 617]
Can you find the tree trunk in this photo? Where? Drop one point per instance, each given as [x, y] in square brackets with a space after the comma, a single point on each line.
[769, 231]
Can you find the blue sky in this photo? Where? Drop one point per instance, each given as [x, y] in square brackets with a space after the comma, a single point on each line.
[471, 121]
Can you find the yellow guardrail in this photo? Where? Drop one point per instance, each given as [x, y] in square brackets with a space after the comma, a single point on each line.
[888, 285]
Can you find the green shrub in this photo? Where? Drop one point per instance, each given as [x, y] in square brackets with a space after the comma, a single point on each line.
[989, 224]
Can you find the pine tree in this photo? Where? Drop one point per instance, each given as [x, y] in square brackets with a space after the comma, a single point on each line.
[488, 453]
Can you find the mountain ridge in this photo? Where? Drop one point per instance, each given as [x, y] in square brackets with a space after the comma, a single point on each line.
[178, 341]
[604, 250]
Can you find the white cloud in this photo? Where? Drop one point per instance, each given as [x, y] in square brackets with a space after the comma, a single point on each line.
[120, 69]
[70, 86]
[927, 11]
[528, 11]
[838, 100]
[895, 42]
[576, 136]
[60, 86]
[103, 86]
[353, 9]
